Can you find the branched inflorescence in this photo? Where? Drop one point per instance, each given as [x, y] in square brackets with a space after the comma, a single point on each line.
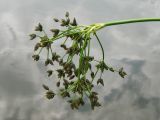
[75, 81]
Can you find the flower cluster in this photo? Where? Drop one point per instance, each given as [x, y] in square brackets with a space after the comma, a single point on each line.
[75, 81]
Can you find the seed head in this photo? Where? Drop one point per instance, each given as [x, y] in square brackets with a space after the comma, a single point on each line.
[55, 19]
[39, 27]
[46, 62]
[64, 46]
[111, 69]
[60, 73]
[65, 81]
[81, 101]
[32, 36]
[102, 66]
[67, 21]
[65, 94]
[55, 56]
[71, 77]
[55, 31]
[37, 46]
[58, 83]
[63, 22]
[49, 72]
[61, 62]
[92, 75]
[67, 14]
[122, 73]
[35, 57]
[100, 80]
[45, 87]
[74, 23]
[50, 94]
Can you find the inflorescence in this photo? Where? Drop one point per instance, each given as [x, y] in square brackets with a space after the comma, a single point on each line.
[75, 81]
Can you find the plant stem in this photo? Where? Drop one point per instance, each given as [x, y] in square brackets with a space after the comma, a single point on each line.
[100, 45]
[128, 21]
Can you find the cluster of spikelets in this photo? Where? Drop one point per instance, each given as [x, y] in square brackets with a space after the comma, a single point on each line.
[75, 81]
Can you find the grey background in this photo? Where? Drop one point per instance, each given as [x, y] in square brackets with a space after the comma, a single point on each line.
[136, 47]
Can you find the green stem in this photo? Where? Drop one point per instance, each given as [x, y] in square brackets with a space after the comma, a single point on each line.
[100, 44]
[128, 21]
[88, 47]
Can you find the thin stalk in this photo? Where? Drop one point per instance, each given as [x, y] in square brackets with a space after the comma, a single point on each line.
[128, 21]
[47, 53]
[40, 51]
[100, 44]
[89, 47]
